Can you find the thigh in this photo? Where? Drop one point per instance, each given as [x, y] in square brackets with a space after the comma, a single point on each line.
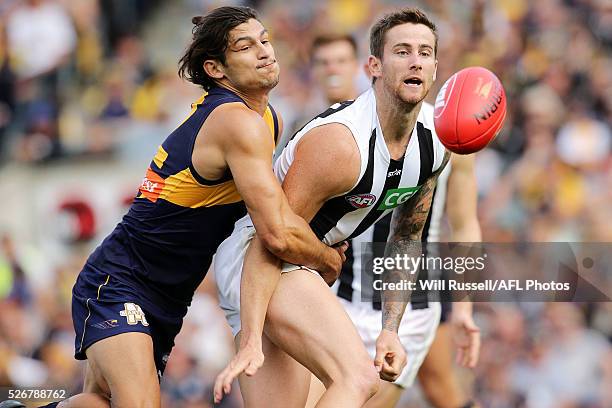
[437, 374]
[438, 363]
[281, 382]
[388, 396]
[306, 320]
[94, 382]
[124, 363]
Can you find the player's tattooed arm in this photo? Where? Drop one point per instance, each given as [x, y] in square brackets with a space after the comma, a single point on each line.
[405, 240]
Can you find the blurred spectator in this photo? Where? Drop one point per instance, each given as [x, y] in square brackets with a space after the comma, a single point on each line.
[40, 37]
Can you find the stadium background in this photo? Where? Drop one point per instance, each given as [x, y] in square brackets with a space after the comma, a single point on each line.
[88, 89]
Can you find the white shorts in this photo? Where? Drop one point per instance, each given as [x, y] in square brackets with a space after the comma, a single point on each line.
[228, 270]
[416, 332]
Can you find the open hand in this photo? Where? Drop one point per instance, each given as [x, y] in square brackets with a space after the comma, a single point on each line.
[249, 359]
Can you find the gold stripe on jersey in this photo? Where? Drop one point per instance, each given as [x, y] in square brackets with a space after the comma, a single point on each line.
[269, 119]
[184, 190]
[160, 157]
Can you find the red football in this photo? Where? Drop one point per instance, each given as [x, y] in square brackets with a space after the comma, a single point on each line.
[470, 110]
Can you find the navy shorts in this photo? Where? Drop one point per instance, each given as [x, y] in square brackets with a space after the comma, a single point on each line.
[104, 306]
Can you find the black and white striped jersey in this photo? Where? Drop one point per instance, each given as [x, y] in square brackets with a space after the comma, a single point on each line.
[349, 284]
[383, 183]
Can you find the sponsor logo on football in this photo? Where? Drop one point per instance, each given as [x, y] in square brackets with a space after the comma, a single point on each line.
[394, 173]
[443, 95]
[491, 105]
[361, 200]
[397, 196]
[483, 90]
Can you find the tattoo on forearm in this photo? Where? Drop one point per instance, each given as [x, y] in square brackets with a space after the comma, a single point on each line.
[407, 227]
[410, 218]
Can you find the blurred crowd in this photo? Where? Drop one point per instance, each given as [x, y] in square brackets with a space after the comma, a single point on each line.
[96, 79]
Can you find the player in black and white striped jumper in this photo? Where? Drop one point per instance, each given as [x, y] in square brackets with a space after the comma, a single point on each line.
[429, 346]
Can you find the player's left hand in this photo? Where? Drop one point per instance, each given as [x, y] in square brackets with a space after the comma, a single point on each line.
[466, 334]
[390, 357]
[249, 359]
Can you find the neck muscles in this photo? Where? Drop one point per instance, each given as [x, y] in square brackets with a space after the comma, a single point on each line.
[397, 119]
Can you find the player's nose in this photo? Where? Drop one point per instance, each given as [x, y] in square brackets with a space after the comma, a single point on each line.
[415, 62]
[263, 52]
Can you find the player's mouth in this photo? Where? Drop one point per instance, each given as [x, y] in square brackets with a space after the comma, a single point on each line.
[267, 64]
[413, 82]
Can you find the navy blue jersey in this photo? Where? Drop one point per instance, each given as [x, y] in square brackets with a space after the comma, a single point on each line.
[165, 243]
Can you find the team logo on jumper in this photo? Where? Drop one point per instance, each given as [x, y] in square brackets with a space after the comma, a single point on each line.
[134, 314]
[397, 196]
[361, 200]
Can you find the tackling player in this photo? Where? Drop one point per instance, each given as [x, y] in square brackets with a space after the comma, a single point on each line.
[132, 294]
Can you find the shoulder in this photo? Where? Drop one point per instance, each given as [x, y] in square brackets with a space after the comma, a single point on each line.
[234, 122]
[236, 116]
[426, 117]
[332, 141]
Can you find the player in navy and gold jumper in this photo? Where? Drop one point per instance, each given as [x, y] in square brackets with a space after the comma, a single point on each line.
[133, 292]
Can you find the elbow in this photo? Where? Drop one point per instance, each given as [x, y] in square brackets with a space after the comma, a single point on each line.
[277, 242]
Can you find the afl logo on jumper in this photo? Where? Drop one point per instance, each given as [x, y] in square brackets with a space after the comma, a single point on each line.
[361, 200]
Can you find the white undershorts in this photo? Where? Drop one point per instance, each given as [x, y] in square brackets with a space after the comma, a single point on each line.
[228, 270]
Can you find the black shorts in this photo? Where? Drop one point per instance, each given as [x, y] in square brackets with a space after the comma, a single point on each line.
[104, 306]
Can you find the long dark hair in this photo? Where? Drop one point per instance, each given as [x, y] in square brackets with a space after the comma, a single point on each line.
[210, 41]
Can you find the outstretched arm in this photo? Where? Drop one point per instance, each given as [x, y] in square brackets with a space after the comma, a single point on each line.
[407, 227]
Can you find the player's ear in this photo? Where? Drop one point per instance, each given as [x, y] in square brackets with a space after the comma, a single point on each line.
[214, 69]
[435, 74]
[374, 66]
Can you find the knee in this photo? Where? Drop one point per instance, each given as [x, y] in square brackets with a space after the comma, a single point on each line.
[364, 380]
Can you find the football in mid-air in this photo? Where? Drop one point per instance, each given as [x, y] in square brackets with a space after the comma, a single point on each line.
[469, 110]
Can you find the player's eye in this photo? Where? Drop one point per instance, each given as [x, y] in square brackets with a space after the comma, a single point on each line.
[402, 52]
[425, 53]
[246, 47]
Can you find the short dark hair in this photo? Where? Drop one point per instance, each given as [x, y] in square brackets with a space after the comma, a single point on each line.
[321, 40]
[387, 22]
[210, 41]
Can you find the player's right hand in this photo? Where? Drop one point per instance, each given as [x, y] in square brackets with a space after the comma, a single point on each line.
[330, 276]
[249, 359]
[390, 357]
